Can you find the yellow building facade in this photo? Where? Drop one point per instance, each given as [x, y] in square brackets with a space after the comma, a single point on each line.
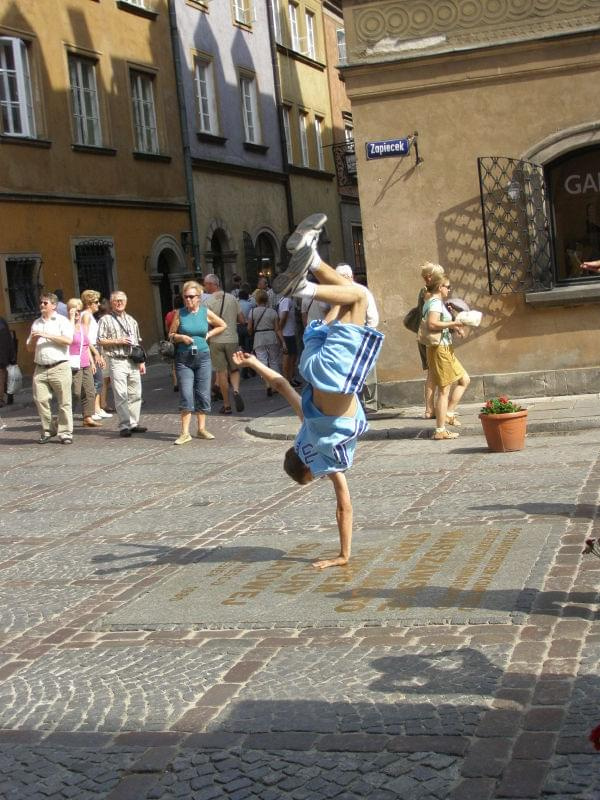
[505, 193]
[92, 185]
[307, 116]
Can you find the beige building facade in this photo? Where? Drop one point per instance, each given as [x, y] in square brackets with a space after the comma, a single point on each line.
[505, 192]
[307, 117]
[92, 186]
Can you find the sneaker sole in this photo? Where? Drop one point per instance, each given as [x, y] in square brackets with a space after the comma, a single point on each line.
[287, 282]
[305, 232]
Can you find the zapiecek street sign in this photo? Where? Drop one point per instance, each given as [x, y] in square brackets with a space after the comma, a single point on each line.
[388, 148]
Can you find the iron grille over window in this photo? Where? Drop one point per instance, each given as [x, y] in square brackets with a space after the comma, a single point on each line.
[22, 281]
[515, 222]
[94, 266]
[344, 156]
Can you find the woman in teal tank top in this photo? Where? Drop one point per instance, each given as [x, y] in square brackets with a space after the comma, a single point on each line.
[190, 329]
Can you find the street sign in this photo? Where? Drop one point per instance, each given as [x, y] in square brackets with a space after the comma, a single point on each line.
[388, 148]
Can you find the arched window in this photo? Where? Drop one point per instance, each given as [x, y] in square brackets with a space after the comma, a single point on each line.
[266, 255]
[574, 188]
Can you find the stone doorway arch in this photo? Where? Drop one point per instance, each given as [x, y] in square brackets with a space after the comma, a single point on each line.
[219, 253]
[168, 272]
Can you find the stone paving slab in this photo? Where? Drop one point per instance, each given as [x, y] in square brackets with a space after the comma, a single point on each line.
[413, 574]
[112, 689]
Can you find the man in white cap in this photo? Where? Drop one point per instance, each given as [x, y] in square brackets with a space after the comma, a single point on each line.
[372, 320]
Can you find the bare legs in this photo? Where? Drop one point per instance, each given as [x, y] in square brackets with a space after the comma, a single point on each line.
[186, 417]
[348, 301]
[429, 395]
[459, 389]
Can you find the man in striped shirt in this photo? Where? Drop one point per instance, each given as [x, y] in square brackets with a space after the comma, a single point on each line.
[338, 354]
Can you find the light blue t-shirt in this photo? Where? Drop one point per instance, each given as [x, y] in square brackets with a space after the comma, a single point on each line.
[435, 304]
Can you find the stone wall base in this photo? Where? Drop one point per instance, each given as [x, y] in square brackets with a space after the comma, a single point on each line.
[517, 385]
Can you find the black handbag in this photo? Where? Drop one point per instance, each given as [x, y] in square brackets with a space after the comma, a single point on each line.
[166, 348]
[137, 354]
[412, 320]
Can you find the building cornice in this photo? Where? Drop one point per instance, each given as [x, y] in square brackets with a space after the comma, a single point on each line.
[485, 66]
[222, 167]
[390, 31]
[82, 200]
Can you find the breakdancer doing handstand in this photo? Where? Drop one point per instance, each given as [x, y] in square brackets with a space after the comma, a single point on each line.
[338, 354]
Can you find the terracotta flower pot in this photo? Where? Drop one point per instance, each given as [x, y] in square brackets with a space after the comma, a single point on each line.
[505, 432]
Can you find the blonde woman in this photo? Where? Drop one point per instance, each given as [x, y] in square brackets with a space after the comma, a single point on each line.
[190, 329]
[82, 358]
[444, 368]
[91, 303]
[429, 271]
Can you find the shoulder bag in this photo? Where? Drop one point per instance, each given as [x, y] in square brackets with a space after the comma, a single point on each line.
[427, 337]
[412, 320]
[137, 354]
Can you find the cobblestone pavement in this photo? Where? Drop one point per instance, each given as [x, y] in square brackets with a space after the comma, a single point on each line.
[125, 674]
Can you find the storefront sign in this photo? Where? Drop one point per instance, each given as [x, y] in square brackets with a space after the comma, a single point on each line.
[388, 148]
[578, 183]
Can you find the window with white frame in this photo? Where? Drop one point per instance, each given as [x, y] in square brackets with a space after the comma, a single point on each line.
[84, 101]
[302, 120]
[294, 35]
[22, 279]
[309, 20]
[144, 113]
[206, 97]
[16, 105]
[250, 109]
[319, 142]
[276, 20]
[244, 11]
[287, 129]
[341, 44]
[138, 3]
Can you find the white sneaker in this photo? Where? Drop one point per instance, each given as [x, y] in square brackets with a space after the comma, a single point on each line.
[103, 414]
[97, 417]
[307, 232]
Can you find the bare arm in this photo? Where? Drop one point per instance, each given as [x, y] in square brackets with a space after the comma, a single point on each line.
[343, 515]
[217, 325]
[434, 320]
[274, 379]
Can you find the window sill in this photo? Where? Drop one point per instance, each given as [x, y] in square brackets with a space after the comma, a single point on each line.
[210, 138]
[312, 62]
[25, 140]
[89, 148]
[312, 173]
[256, 148]
[581, 294]
[141, 12]
[245, 26]
[151, 157]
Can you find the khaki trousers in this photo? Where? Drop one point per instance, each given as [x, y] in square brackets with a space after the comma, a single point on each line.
[55, 382]
[127, 390]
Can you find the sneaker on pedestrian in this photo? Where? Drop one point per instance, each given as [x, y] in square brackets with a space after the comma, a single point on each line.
[125, 433]
[184, 438]
[204, 434]
[138, 429]
[307, 232]
[102, 414]
[97, 417]
[65, 439]
[44, 438]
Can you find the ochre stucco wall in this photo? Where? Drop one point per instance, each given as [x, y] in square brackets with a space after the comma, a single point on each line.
[502, 101]
[133, 232]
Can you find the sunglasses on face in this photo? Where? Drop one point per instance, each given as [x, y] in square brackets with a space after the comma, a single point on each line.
[189, 296]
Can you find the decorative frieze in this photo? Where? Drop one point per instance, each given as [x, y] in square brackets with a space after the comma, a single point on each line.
[406, 29]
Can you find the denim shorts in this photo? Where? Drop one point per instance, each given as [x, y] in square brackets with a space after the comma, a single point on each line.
[193, 378]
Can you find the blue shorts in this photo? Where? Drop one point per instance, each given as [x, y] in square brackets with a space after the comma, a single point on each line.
[326, 444]
[339, 356]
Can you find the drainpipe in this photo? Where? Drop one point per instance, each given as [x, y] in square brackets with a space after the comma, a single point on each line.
[185, 139]
[279, 101]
